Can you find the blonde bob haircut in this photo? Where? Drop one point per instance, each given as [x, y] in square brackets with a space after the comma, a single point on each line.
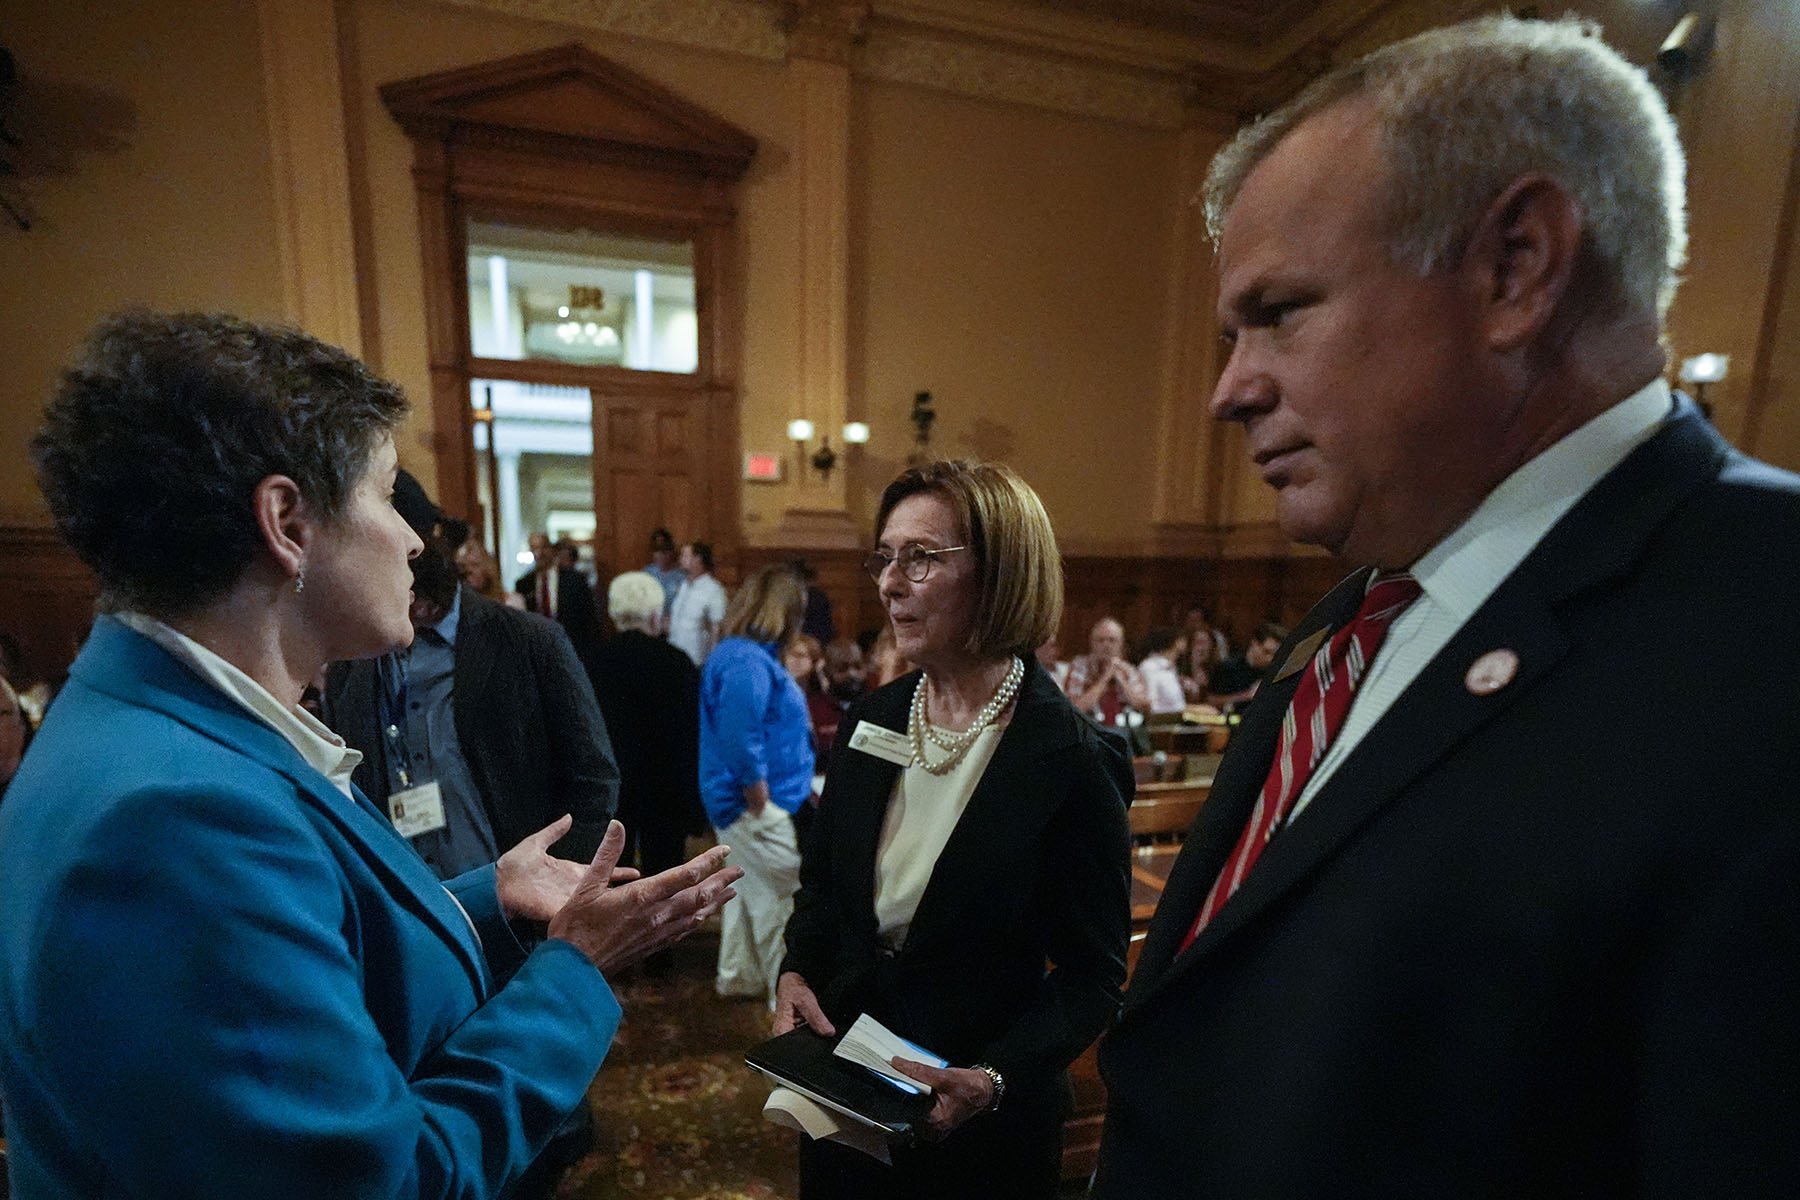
[1004, 524]
[768, 607]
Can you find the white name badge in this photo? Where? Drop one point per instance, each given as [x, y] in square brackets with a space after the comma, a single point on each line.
[882, 743]
[417, 809]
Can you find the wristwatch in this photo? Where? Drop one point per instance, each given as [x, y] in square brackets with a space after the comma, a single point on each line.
[999, 1082]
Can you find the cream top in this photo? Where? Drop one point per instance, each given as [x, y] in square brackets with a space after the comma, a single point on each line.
[921, 814]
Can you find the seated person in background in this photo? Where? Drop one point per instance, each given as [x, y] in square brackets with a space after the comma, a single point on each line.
[1235, 680]
[801, 656]
[845, 683]
[1162, 686]
[649, 693]
[1203, 648]
[885, 663]
[482, 731]
[1049, 655]
[1101, 683]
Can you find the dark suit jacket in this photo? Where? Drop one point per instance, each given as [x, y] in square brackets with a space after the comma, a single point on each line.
[649, 692]
[525, 718]
[1037, 868]
[1539, 942]
[575, 610]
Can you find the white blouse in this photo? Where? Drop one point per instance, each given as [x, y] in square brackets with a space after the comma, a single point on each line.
[921, 814]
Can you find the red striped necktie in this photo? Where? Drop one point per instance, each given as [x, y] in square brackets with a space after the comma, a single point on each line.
[1313, 718]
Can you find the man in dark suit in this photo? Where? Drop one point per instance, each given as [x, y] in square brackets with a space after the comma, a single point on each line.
[512, 740]
[560, 591]
[1524, 921]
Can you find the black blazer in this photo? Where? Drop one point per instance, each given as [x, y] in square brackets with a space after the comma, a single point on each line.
[649, 692]
[1542, 942]
[575, 610]
[525, 718]
[1037, 869]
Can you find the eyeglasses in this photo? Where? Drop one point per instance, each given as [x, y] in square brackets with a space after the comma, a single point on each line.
[915, 561]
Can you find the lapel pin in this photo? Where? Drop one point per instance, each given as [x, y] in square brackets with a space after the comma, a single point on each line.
[1491, 672]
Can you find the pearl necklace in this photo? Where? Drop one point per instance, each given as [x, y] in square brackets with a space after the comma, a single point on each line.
[958, 745]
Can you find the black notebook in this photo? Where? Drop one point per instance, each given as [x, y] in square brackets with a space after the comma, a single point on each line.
[803, 1060]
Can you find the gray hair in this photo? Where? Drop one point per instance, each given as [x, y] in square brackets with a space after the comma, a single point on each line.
[633, 598]
[1465, 110]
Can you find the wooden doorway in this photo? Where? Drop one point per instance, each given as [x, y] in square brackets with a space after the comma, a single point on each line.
[650, 472]
[530, 170]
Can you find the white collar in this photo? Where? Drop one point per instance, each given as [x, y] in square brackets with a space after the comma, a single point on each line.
[1462, 571]
[323, 750]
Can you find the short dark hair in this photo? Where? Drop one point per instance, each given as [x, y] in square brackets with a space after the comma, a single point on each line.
[1159, 639]
[661, 539]
[434, 572]
[156, 439]
[703, 552]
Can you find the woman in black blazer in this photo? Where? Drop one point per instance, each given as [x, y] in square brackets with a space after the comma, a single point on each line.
[967, 879]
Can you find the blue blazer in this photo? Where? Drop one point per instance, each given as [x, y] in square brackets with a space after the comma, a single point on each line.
[219, 976]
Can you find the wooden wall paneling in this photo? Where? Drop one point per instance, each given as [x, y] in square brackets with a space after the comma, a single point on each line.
[47, 604]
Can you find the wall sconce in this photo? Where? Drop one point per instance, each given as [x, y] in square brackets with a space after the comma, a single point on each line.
[922, 415]
[1686, 46]
[1701, 370]
[824, 459]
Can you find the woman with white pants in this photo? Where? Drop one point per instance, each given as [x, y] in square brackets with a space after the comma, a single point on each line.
[756, 770]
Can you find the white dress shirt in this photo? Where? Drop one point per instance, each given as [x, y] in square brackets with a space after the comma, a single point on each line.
[1462, 571]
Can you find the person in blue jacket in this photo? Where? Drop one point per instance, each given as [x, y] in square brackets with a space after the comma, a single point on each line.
[223, 973]
[756, 772]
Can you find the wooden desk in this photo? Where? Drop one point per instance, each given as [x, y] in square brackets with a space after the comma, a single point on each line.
[1189, 739]
[1150, 867]
[1164, 811]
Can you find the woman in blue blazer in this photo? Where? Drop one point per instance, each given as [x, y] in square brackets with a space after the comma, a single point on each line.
[222, 971]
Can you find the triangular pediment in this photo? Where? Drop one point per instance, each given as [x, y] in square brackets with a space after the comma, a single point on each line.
[571, 96]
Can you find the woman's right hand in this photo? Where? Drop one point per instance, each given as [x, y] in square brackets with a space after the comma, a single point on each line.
[795, 1005]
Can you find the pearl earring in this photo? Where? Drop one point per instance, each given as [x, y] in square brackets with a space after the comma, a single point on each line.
[300, 581]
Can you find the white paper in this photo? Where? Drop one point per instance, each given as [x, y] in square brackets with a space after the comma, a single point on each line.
[790, 1109]
[871, 1044]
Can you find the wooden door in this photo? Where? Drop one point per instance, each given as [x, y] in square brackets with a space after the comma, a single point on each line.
[650, 472]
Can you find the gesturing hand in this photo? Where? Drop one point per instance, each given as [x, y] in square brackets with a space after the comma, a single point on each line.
[958, 1093]
[616, 926]
[533, 883]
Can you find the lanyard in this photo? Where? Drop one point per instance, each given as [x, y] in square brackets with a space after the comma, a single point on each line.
[390, 671]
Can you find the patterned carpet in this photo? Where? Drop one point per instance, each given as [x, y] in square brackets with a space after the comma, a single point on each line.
[678, 1115]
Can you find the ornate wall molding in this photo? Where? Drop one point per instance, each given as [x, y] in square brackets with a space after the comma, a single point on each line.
[1010, 54]
[733, 26]
[826, 30]
[1020, 75]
